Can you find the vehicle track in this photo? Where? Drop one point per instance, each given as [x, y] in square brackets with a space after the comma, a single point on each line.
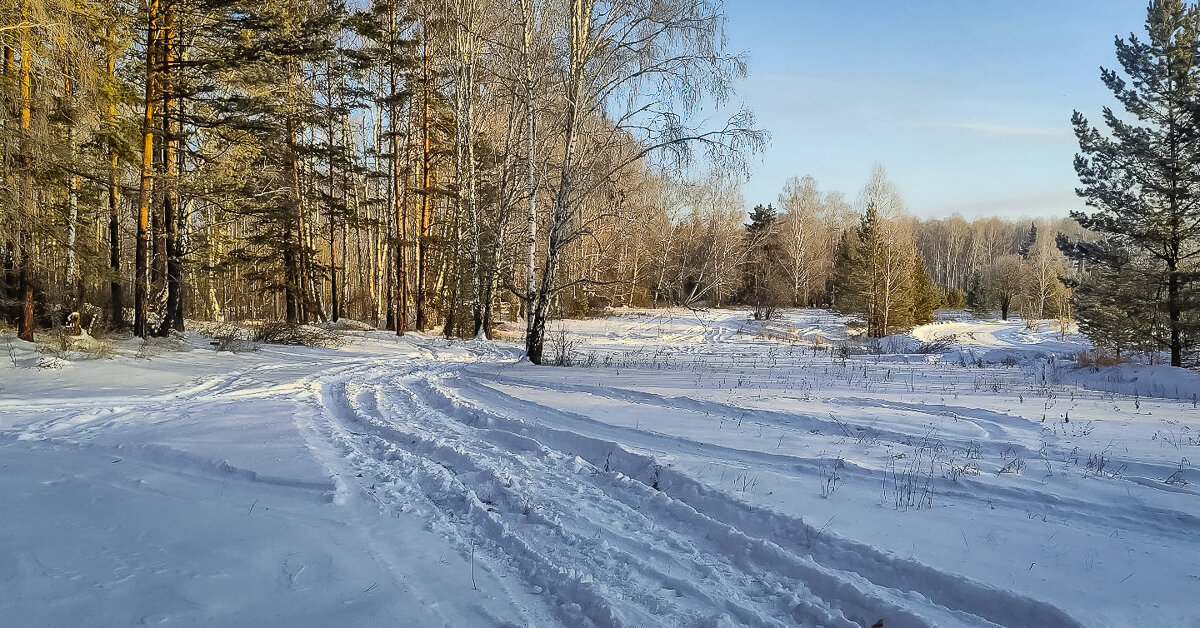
[610, 536]
[972, 602]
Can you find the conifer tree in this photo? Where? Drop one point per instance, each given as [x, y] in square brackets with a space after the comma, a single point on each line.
[875, 274]
[1114, 304]
[977, 298]
[1028, 242]
[764, 286]
[1143, 178]
[927, 297]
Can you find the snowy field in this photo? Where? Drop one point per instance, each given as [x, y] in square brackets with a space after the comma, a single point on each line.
[689, 469]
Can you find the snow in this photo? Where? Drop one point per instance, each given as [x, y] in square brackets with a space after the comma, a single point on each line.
[692, 468]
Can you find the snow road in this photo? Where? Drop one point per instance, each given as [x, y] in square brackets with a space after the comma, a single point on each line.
[695, 470]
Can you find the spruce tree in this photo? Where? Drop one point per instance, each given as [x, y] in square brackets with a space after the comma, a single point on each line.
[763, 277]
[927, 297]
[977, 298]
[1028, 242]
[1116, 307]
[876, 275]
[1143, 179]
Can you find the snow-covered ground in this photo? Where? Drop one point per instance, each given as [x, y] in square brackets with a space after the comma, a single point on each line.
[691, 468]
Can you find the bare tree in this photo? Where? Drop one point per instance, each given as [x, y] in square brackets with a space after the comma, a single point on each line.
[809, 231]
[644, 66]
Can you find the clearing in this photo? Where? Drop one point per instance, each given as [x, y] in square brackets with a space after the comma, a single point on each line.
[690, 468]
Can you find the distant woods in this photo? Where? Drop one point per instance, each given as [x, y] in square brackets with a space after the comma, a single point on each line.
[870, 257]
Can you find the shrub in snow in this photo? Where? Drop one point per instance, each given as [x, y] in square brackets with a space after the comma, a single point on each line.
[280, 333]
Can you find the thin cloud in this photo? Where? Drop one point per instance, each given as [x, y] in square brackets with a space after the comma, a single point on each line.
[1049, 204]
[1060, 134]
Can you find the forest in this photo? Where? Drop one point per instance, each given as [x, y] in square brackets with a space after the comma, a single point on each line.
[282, 283]
[453, 165]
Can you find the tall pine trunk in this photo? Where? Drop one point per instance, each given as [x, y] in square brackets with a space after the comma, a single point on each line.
[291, 264]
[141, 295]
[28, 203]
[116, 297]
[173, 316]
[1175, 314]
[426, 185]
[398, 193]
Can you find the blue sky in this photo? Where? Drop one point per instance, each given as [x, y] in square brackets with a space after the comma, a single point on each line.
[966, 103]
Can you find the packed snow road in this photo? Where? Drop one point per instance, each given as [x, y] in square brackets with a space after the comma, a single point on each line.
[694, 469]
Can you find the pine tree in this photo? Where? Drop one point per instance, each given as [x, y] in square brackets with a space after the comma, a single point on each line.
[875, 275]
[1114, 305]
[1028, 242]
[261, 51]
[928, 298]
[977, 298]
[763, 287]
[1144, 179]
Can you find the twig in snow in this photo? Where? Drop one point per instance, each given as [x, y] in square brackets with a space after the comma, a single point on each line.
[473, 586]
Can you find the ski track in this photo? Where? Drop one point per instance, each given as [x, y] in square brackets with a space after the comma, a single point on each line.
[610, 536]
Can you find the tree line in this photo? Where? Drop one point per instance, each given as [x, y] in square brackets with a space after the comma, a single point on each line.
[411, 162]
[417, 165]
[452, 164]
[871, 257]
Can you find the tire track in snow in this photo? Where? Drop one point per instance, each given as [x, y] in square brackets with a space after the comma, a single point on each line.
[932, 589]
[791, 421]
[845, 591]
[373, 477]
[1137, 515]
[537, 511]
[83, 416]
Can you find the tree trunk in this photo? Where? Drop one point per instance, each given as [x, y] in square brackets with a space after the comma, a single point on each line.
[172, 316]
[291, 265]
[141, 304]
[333, 284]
[399, 197]
[426, 185]
[28, 203]
[11, 281]
[1175, 313]
[74, 277]
[580, 32]
[116, 298]
[531, 184]
[25, 331]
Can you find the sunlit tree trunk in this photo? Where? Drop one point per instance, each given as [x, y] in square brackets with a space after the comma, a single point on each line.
[426, 184]
[172, 245]
[146, 188]
[116, 297]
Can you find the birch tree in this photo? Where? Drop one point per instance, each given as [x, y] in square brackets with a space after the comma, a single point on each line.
[644, 67]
